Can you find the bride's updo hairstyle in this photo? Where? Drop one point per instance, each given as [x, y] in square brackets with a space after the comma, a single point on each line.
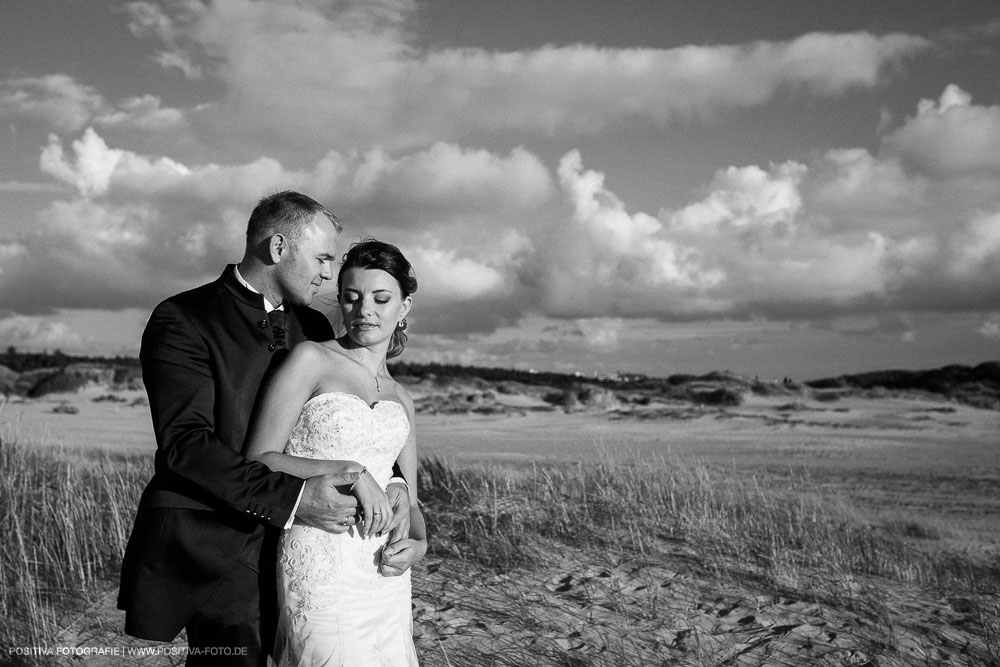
[372, 254]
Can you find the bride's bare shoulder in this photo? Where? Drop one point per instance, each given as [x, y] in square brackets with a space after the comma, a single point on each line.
[307, 352]
[328, 354]
[314, 356]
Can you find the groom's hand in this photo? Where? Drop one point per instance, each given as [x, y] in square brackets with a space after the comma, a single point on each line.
[324, 506]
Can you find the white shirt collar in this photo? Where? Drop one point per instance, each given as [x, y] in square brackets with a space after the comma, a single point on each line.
[268, 306]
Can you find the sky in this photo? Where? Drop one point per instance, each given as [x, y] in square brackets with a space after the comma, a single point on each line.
[776, 188]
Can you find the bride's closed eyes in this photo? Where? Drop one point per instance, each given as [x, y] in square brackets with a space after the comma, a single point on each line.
[352, 297]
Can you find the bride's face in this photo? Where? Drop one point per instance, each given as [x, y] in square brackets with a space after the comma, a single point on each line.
[372, 304]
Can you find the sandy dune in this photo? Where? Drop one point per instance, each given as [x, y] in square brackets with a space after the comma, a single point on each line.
[900, 453]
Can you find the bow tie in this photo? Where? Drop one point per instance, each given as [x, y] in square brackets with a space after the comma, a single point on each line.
[277, 319]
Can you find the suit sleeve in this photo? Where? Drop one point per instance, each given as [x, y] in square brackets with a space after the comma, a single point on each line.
[176, 369]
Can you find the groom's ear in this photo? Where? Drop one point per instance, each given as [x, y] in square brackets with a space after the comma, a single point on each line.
[277, 246]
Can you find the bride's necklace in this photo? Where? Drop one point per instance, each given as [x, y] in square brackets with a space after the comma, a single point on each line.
[378, 385]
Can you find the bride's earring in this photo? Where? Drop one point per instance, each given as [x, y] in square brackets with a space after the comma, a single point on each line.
[401, 325]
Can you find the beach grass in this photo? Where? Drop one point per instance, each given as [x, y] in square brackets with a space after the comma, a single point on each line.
[618, 562]
[66, 517]
[759, 543]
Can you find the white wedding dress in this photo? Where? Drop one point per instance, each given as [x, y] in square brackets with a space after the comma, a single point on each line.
[335, 609]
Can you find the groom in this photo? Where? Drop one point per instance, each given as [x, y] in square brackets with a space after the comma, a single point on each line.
[199, 557]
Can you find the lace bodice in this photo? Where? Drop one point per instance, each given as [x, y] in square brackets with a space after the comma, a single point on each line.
[335, 425]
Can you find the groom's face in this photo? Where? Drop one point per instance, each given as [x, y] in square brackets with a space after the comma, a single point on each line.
[308, 262]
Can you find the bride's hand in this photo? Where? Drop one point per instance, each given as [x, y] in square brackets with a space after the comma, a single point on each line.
[398, 557]
[399, 499]
[375, 510]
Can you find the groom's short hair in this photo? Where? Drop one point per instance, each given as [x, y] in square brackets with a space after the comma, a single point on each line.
[284, 213]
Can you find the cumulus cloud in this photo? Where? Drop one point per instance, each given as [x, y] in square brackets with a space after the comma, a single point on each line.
[92, 168]
[138, 224]
[55, 99]
[444, 276]
[949, 137]
[848, 232]
[753, 226]
[62, 104]
[601, 258]
[747, 202]
[145, 113]
[504, 235]
[977, 247]
[861, 188]
[351, 73]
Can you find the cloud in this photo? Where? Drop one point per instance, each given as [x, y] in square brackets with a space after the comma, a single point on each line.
[949, 137]
[755, 227]
[139, 225]
[63, 105]
[442, 183]
[34, 333]
[862, 189]
[352, 73]
[446, 277]
[583, 88]
[148, 20]
[602, 259]
[991, 328]
[885, 326]
[748, 202]
[55, 99]
[92, 169]
[145, 113]
[850, 232]
[976, 249]
[498, 237]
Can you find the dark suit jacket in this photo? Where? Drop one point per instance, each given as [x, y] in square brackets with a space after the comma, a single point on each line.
[204, 354]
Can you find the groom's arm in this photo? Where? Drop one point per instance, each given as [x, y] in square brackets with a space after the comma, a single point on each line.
[178, 374]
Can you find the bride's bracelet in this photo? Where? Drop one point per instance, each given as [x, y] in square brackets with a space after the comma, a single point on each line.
[364, 469]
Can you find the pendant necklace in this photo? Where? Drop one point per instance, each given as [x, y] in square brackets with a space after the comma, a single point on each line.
[378, 385]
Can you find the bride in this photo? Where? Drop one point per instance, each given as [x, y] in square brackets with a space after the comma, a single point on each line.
[333, 407]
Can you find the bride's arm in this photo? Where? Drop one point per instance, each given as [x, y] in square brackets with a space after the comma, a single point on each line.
[294, 383]
[404, 550]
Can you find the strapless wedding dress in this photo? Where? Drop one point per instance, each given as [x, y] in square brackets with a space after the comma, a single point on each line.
[335, 609]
